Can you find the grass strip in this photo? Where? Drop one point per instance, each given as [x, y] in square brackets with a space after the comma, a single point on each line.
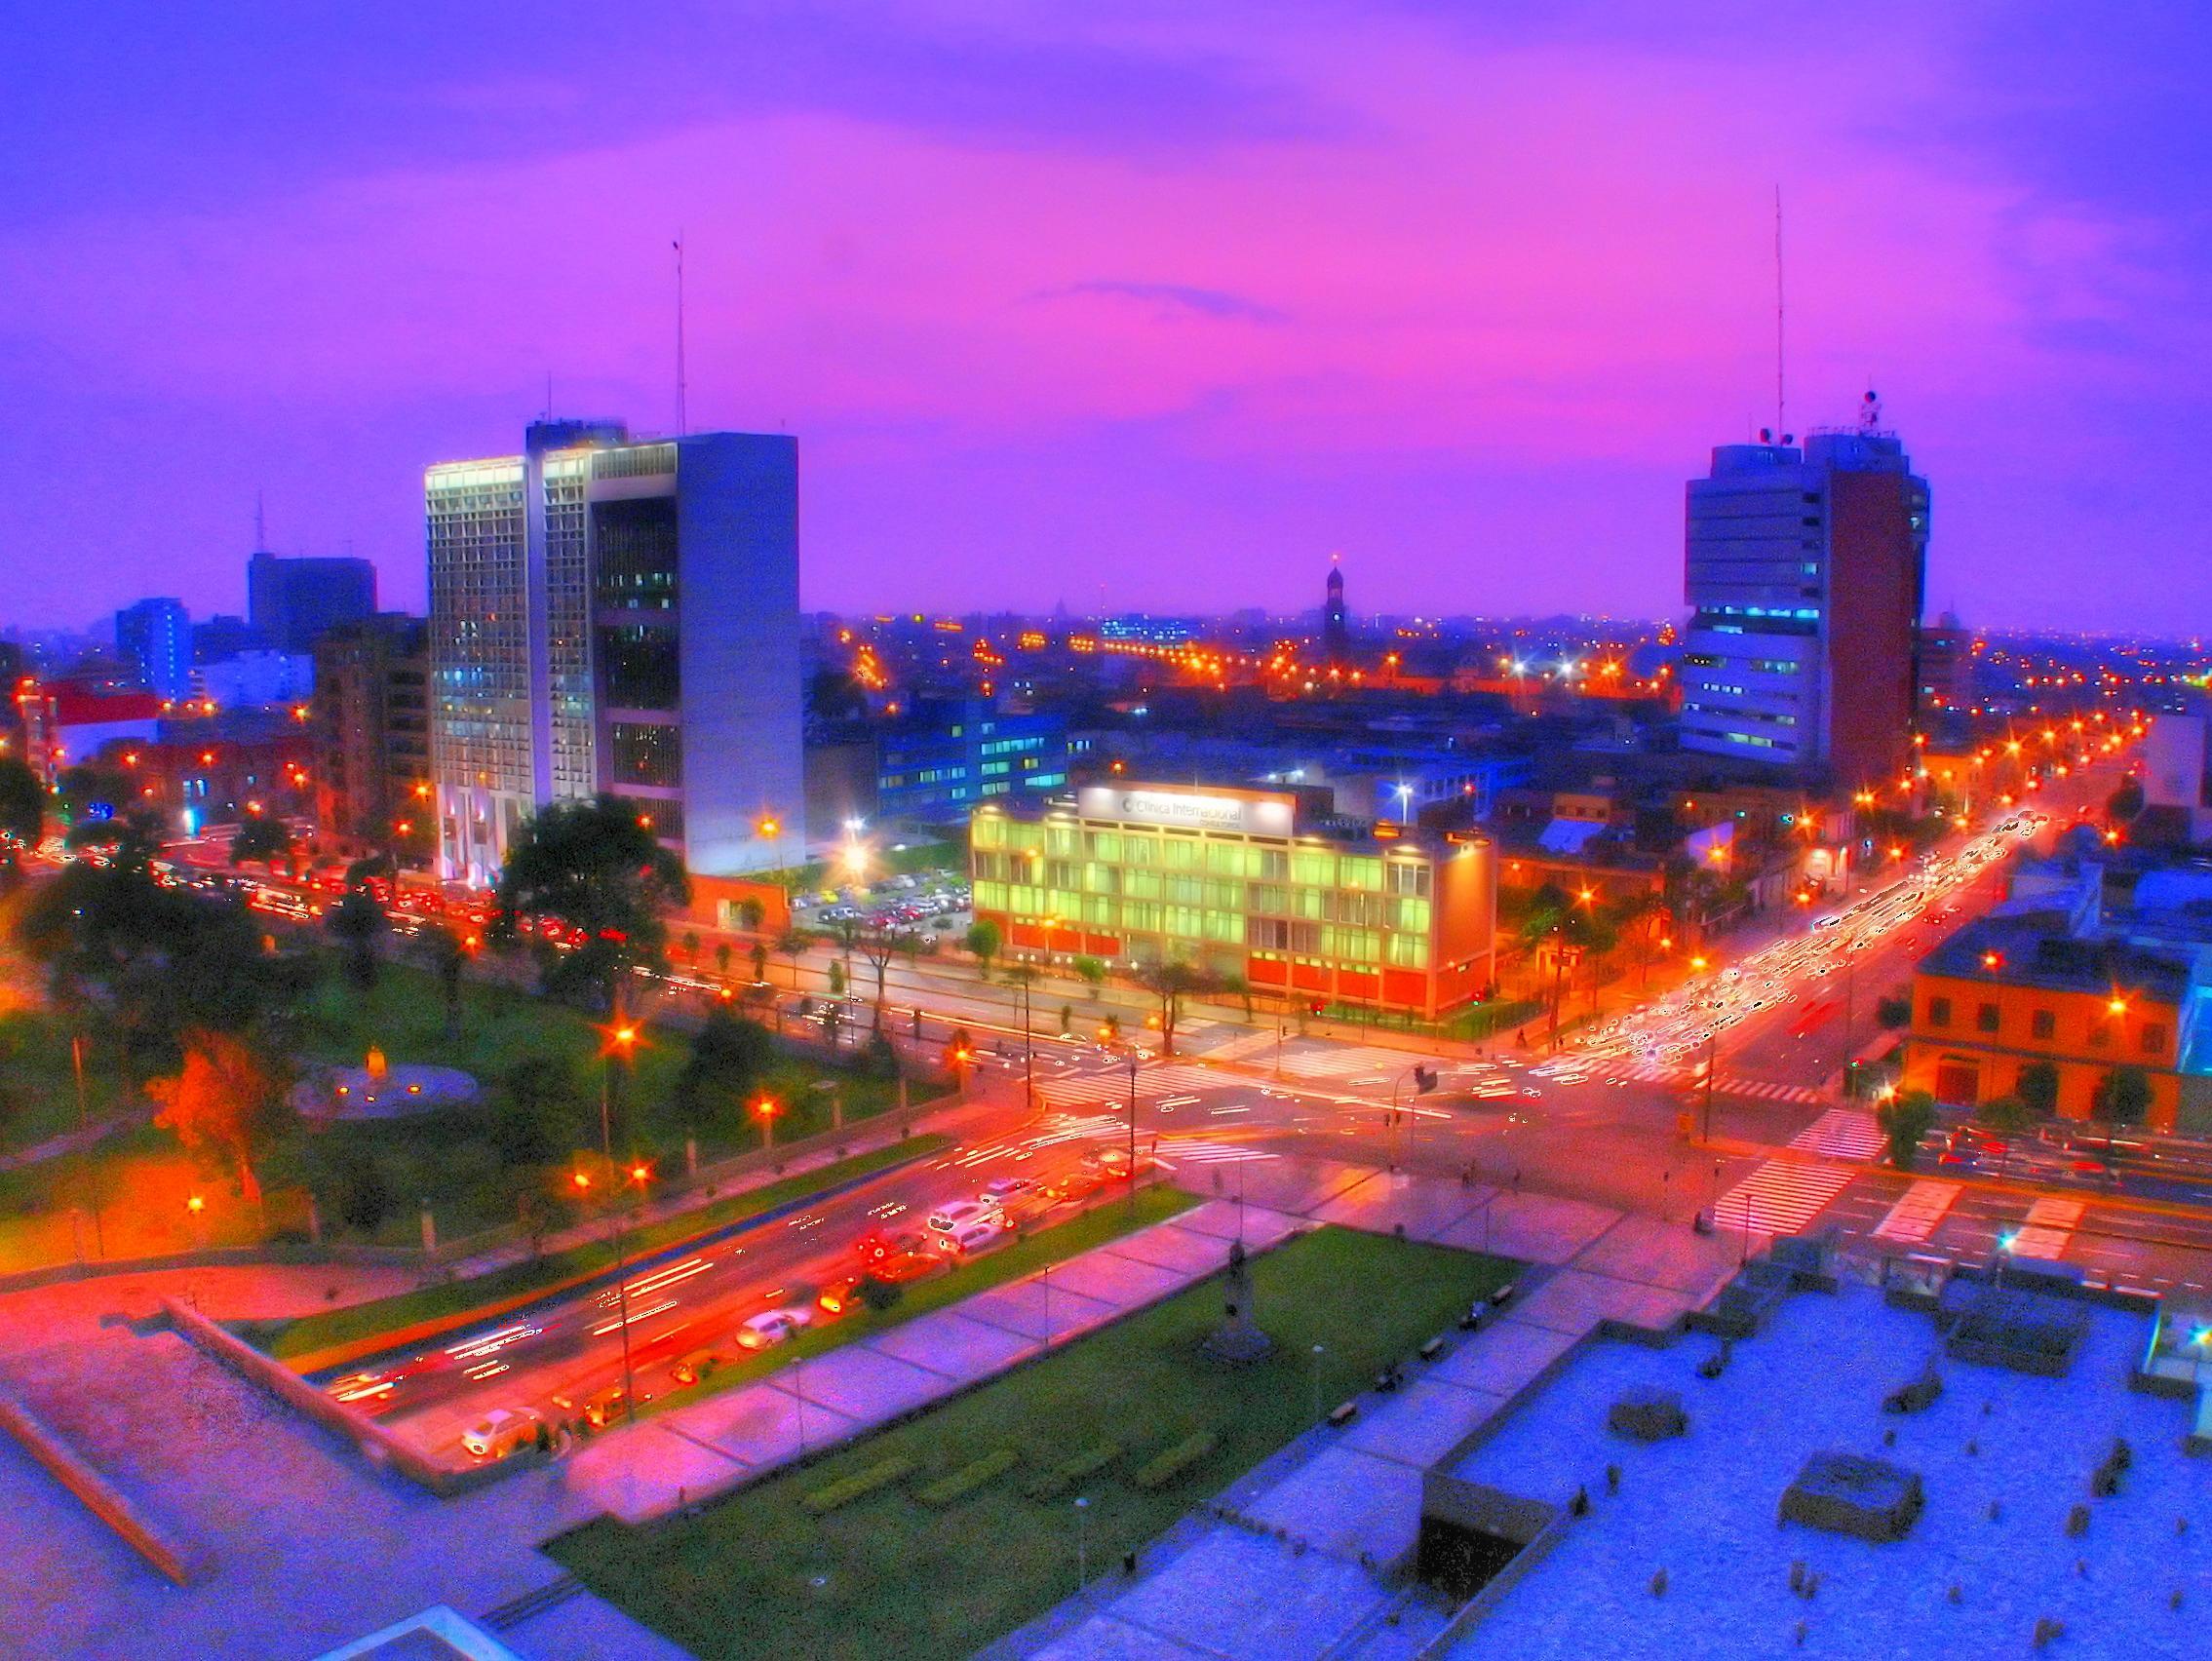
[1052, 1483]
[332, 1336]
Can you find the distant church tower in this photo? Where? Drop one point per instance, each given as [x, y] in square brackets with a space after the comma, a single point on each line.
[1336, 630]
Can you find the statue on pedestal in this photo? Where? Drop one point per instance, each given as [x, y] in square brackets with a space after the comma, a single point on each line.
[1237, 1340]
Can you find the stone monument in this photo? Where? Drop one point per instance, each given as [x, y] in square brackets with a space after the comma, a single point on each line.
[1237, 1339]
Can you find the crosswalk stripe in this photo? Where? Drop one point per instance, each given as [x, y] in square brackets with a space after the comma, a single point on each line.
[2047, 1227]
[1841, 1133]
[1913, 1217]
[1780, 1197]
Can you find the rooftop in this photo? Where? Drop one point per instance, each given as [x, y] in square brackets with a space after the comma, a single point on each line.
[2034, 950]
[2004, 1459]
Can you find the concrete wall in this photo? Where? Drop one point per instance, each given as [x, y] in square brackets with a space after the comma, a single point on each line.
[737, 541]
[101, 1497]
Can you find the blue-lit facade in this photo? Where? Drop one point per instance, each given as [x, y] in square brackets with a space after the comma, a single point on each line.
[944, 757]
[156, 634]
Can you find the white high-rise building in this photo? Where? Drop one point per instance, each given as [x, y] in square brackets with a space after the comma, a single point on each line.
[618, 617]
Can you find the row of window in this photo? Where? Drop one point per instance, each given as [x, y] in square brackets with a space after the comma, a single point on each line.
[2042, 1025]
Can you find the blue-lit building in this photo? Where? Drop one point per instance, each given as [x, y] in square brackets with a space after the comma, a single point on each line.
[156, 634]
[944, 755]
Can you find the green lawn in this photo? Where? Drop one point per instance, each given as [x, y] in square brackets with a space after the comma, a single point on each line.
[757, 1574]
[455, 1300]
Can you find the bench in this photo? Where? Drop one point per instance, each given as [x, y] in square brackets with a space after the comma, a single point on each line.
[1504, 1295]
[1343, 1413]
[1433, 1348]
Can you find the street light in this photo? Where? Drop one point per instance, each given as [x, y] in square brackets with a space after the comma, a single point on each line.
[1317, 1354]
[621, 1040]
[1082, 1566]
[766, 1110]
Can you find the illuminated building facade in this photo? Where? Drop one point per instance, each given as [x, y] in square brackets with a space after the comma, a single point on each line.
[618, 617]
[1804, 575]
[1226, 882]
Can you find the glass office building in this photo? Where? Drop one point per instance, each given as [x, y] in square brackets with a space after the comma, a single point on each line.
[618, 617]
[1229, 881]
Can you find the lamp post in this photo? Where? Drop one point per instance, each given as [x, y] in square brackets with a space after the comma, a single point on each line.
[1317, 1354]
[621, 1040]
[197, 1209]
[766, 1110]
[1135, 1059]
[1082, 1564]
[77, 1066]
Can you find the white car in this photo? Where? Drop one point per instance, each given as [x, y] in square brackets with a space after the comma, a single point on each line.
[500, 1432]
[773, 1327]
[961, 1214]
[1001, 1189]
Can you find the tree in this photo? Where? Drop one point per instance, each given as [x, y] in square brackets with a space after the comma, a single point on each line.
[537, 1113]
[356, 920]
[1238, 986]
[2010, 1118]
[877, 947]
[729, 1059]
[2038, 1089]
[723, 952]
[836, 977]
[262, 838]
[447, 959]
[691, 947]
[592, 866]
[1092, 971]
[1641, 912]
[224, 1101]
[833, 695]
[982, 941]
[792, 944]
[2123, 1096]
[22, 814]
[1171, 984]
[1904, 1121]
[361, 1196]
[750, 914]
[2125, 804]
[759, 953]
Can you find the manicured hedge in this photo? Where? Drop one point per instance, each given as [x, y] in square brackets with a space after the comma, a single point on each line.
[1165, 1468]
[858, 1485]
[1051, 1484]
[970, 1477]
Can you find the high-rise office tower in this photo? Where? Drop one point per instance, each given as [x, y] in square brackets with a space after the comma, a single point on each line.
[1336, 626]
[619, 617]
[1805, 572]
[156, 634]
[372, 731]
[293, 603]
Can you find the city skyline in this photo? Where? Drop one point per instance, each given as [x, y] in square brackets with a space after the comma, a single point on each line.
[1175, 307]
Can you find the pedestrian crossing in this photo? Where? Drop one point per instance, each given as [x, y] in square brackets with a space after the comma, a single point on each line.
[1912, 1219]
[1203, 1151]
[1686, 1078]
[1841, 1133]
[2048, 1225]
[1780, 1197]
[1357, 1064]
[1110, 1087]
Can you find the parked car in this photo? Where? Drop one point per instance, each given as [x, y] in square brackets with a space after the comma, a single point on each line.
[951, 1218]
[773, 1327]
[970, 1238]
[912, 1266]
[880, 1244]
[699, 1364]
[840, 1296]
[596, 1408]
[501, 1432]
[1001, 1189]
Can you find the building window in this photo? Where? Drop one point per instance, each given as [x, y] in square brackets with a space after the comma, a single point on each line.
[2154, 1040]
[1986, 1018]
[641, 754]
[2043, 1024]
[1939, 1012]
[2099, 1034]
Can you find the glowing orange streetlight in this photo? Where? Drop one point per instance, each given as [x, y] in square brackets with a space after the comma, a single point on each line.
[766, 1110]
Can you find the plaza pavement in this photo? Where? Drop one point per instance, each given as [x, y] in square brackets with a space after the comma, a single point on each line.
[286, 1518]
[1291, 1567]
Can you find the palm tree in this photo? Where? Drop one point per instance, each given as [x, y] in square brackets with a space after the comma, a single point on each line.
[1171, 984]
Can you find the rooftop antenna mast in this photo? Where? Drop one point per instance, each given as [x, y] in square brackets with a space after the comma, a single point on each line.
[683, 425]
[260, 524]
[1781, 401]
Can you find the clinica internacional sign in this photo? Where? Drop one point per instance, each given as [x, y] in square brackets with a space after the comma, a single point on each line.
[1248, 814]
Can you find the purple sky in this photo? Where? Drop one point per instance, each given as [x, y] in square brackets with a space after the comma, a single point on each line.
[1173, 299]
